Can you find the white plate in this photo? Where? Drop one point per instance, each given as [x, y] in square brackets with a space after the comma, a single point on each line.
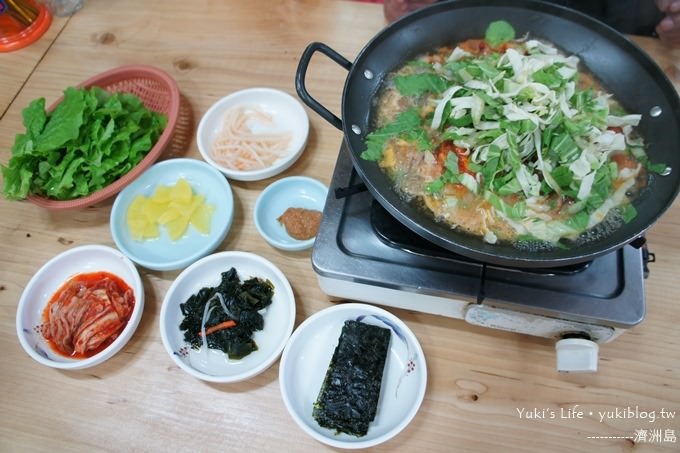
[279, 317]
[162, 253]
[51, 276]
[287, 114]
[306, 357]
[295, 192]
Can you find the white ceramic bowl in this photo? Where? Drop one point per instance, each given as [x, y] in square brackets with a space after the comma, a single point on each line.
[162, 253]
[279, 317]
[50, 277]
[296, 192]
[287, 113]
[306, 357]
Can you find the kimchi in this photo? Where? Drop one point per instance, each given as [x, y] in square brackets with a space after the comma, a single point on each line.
[87, 314]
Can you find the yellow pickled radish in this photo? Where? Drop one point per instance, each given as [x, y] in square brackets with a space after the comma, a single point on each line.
[176, 227]
[137, 228]
[201, 218]
[162, 194]
[181, 192]
[187, 209]
[175, 207]
[151, 231]
[155, 209]
[136, 208]
[136, 217]
[168, 215]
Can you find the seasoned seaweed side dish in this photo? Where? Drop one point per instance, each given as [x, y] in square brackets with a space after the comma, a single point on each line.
[224, 317]
[348, 398]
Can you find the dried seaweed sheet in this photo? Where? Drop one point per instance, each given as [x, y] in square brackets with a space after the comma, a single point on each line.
[348, 399]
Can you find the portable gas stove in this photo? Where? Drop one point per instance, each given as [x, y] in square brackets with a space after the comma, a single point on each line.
[362, 253]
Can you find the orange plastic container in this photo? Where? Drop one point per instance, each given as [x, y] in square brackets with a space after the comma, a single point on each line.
[22, 22]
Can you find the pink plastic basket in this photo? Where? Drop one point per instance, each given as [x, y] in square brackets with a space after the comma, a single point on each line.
[159, 92]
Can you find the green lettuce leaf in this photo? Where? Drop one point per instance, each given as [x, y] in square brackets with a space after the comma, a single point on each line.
[88, 141]
[64, 123]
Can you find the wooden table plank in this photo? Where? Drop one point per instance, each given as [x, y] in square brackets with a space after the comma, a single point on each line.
[482, 382]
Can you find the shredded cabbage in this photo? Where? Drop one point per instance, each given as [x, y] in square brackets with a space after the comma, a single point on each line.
[537, 84]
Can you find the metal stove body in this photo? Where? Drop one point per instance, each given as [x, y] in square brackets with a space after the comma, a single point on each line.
[363, 254]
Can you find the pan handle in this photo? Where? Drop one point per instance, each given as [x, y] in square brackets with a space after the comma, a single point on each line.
[301, 74]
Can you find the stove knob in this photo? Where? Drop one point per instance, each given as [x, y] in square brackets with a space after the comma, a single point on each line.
[576, 355]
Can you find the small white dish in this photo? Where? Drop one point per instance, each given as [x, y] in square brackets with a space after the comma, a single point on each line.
[287, 114]
[50, 278]
[162, 253]
[279, 317]
[295, 192]
[306, 357]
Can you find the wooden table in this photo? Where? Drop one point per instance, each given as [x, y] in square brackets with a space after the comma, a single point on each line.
[17, 66]
[480, 380]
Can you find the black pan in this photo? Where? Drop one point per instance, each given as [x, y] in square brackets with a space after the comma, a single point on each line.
[620, 65]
